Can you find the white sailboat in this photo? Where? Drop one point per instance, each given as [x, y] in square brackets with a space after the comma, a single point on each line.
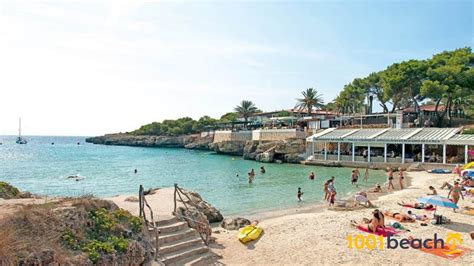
[20, 139]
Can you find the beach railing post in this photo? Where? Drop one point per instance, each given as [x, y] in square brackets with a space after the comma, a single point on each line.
[385, 152]
[353, 152]
[368, 153]
[174, 196]
[140, 201]
[325, 150]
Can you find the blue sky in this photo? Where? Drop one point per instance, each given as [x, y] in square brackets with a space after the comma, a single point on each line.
[95, 67]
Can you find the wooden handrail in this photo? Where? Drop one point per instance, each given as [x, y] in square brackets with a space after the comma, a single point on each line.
[201, 225]
[142, 202]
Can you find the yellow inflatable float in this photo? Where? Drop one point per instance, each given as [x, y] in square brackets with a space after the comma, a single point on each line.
[250, 232]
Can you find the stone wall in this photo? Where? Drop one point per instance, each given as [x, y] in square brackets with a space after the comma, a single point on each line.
[228, 135]
[277, 134]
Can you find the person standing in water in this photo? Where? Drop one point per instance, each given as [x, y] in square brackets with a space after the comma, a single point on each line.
[251, 176]
[299, 194]
[312, 176]
[366, 175]
[262, 170]
[135, 171]
[332, 197]
[354, 177]
[390, 178]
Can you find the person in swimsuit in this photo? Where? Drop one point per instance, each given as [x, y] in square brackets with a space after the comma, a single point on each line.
[401, 176]
[455, 193]
[366, 175]
[354, 177]
[326, 189]
[299, 194]
[399, 216]
[390, 178]
[311, 176]
[262, 170]
[331, 184]
[332, 197]
[457, 170]
[377, 221]
[377, 189]
[251, 176]
[433, 191]
[416, 205]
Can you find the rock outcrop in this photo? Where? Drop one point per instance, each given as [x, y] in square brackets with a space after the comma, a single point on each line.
[289, 151]
[212, 214]
[229, 147]
[194, 141]
[234, 223]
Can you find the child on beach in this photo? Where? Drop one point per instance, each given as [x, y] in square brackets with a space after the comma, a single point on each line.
[299, 194]
[433, 191]
[332, 198]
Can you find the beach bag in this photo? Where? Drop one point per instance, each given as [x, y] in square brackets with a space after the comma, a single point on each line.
[438, 219]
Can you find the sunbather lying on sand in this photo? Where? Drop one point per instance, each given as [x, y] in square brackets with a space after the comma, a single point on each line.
[399, 216]
[418, 217]
[416, 205]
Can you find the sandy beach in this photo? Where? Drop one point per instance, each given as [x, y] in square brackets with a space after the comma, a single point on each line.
[320, 237]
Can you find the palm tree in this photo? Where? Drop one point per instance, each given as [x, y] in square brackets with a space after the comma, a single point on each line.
[311, 99]
[246, 109]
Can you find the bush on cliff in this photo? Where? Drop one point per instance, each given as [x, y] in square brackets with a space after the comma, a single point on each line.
[8, 191]
[181, 126]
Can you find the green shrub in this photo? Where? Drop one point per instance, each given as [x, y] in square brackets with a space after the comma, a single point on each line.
[469, 131]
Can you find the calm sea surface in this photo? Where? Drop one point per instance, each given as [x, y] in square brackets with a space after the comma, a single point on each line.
[43, 168]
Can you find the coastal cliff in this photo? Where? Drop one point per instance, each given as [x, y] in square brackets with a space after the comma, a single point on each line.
[282, 151]
[288, 151]
[194, 141]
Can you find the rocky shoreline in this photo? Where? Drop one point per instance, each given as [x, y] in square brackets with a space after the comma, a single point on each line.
[284, 151]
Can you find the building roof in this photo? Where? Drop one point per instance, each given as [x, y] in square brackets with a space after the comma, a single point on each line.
[391, 135]
[426, 108]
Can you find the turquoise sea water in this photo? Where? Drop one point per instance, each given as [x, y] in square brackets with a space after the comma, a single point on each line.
[43, 168]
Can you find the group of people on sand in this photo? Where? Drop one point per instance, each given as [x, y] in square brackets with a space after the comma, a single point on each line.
[356, 174]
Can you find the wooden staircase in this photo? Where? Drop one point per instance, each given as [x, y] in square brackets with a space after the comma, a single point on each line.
[180, 245]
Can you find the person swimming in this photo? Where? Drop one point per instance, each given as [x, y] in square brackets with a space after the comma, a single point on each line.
[312, 176]
[135, 171]
[262, 170]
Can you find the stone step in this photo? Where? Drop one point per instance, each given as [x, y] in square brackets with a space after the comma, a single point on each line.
[176, 236]
[175, 258]
[181, 244]
[174, 227]
[203, 259]
[166, 221]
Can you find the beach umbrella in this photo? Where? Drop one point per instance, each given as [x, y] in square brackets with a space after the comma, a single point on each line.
[438, 201]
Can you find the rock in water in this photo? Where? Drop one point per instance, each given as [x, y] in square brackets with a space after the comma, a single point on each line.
[234, 223]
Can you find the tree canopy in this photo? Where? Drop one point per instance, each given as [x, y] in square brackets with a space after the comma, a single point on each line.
[311, 99]
[445, 79]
